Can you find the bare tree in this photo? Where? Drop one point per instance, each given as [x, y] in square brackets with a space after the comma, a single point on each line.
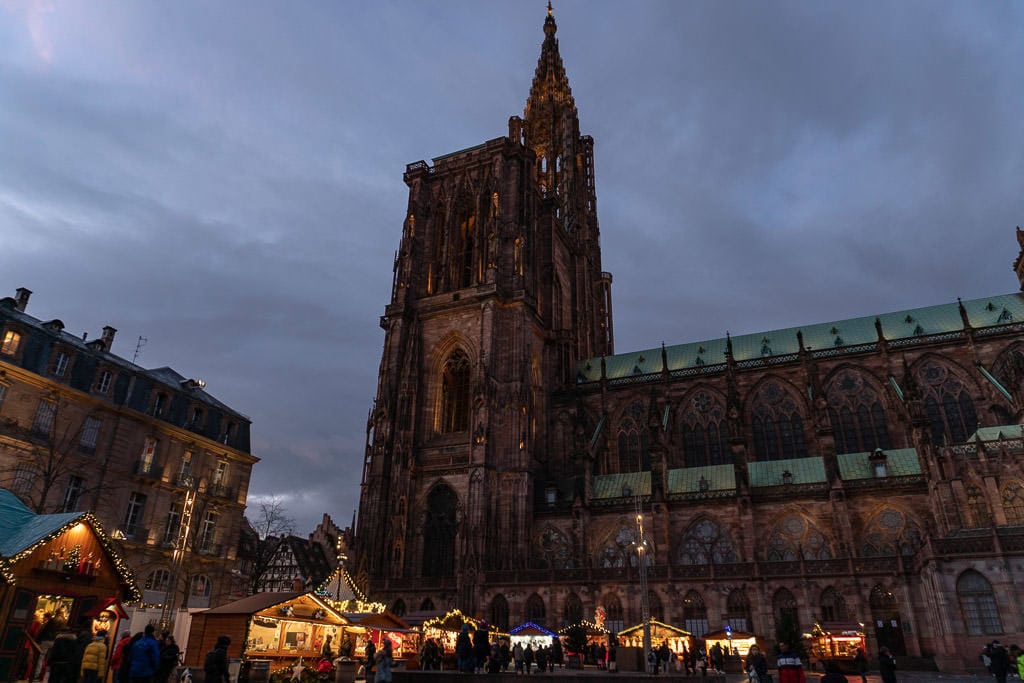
[41, 457]
[271, 523]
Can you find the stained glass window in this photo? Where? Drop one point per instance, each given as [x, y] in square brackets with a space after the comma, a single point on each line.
[948, 404]
[777, 424]
[705, 542]
[978, 604]
[858, 418]
[704, 431]
[795, 534]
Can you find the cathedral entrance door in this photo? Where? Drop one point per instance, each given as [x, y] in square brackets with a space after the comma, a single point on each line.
[885, 614]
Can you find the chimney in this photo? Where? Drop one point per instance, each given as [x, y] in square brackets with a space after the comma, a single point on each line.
[108, 337]
[21, 297]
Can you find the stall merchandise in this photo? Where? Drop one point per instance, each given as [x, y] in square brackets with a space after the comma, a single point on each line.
[678, 639]
[57, 572]
[733, 643]
[532, 634]
[834, 641]
[286, 629]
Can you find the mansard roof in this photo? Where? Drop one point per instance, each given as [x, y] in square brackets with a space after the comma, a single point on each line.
[900, 328]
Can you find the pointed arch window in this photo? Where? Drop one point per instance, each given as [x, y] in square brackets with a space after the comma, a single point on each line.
[785, 611]
[795, 535]
[738, 611]
[978, 505]
[777, 424]
[613, 619]
[439, 533]
[427, 605]
[467, 257]
[620, 550]
[948, 404]
[695, 614]
[535, 610]
[833, 606]
[573, 611]
[706, 542]
[398, 609]
[455, 394]
[890, 533]
[499, 612]
[978, 604]
[634, 454]
[655, 606]
[858, 418]
[705, 432]
[1013, 503]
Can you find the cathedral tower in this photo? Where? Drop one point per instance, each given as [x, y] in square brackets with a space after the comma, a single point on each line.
[498, 291]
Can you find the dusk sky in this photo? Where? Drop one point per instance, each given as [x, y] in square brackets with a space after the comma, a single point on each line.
[224, 178]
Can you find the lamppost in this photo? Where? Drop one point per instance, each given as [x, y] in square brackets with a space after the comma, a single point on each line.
[641, 555]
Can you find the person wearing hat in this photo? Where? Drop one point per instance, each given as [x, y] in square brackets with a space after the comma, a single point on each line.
[94, 659]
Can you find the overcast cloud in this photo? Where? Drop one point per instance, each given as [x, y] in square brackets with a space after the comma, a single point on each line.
[225, 179]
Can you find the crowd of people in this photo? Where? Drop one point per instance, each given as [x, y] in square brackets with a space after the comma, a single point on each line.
[86, 657]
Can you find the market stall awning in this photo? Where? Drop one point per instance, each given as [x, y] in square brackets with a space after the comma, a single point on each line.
[531, 629]
[659, 631]
[289, 605]
[721, 634]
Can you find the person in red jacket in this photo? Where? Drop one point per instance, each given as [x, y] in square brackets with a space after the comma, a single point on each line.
[118, 657]
[791, 669]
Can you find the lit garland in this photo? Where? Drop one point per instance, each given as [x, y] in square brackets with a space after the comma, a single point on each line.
[124, 572]
[589, 625]
[439, 622]
[655, 622]
[360, 604]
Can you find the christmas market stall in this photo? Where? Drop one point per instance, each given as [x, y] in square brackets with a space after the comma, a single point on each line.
[445, 628]
[532, 634]
[272, 631]
[837, 642]
[587, 639]
[733, 643]
[57, 572]
[677, 638]
[595, 634]
[368, 621]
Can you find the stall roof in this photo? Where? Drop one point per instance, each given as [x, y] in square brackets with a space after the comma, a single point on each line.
[385, 621]
[531, 629]
[253, 603]
[720, 635]
[670, 631]
[21, 531]
[590, 627]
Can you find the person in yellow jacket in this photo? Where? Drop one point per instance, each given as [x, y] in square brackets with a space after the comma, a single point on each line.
[94, 659]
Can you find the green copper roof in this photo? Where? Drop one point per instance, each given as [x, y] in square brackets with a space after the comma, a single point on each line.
[687, 480]
[819, 338]
[614, 485]
[899, 462]
[997, 433]
[804, 471]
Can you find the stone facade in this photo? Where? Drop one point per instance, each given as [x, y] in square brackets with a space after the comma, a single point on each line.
[82, 429]
[845, 473]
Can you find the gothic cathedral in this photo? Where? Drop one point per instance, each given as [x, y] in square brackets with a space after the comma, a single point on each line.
[862, 474]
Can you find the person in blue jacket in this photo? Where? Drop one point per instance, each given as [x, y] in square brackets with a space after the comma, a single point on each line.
[144, 657]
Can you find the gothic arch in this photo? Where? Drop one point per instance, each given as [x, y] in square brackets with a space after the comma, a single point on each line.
[1008, 368]
[706, 541]
[398, 608]
[785, 610]
[572, 613]
[619, 549]
[777, 413]
[890, 532]
[978, 604]
[631, 438]
[796, 534]
[454, 411]
[439, 531]
[654, 604]
[613, 615]
[703, 428]
[857, 410]
[695, 614]
[1013, 502]
[948, 395]
[499, 612]
[833, 606]
[535, 610]
[552, 549]
[979, 512]
[738, 613]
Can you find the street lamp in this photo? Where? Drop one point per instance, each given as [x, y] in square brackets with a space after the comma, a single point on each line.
[641, 555]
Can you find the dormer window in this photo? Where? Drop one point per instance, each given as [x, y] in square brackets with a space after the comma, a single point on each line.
[879, 467]
[11, 342]
[159, 405]
[195, 420]
[60, 364]
[787, 477]
[229, 433]
[103, 382]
